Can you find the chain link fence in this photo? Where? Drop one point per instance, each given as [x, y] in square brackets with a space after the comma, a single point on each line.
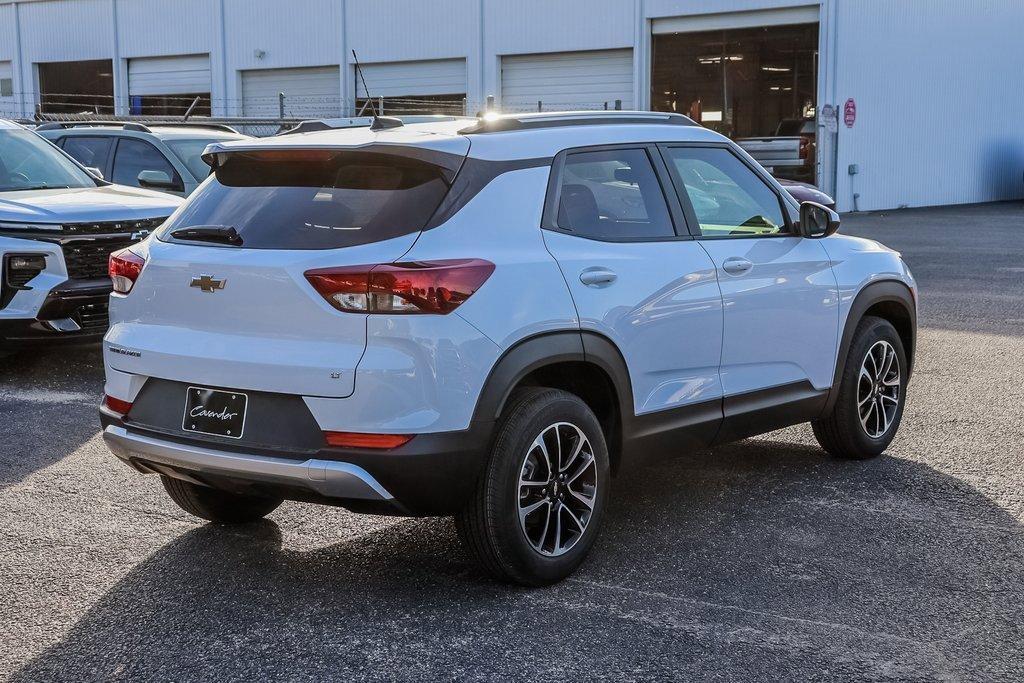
[258, 116]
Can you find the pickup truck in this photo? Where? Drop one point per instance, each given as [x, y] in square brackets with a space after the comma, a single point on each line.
[789, 153]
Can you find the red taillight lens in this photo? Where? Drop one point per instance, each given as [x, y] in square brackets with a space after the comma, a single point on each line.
[354, 440]
[124, 267]
[117, 405]
[417, 287]
[805, 147]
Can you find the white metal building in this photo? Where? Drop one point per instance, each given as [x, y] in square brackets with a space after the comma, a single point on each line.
[926, 106]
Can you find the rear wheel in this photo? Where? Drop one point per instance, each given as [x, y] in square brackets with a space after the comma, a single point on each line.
[539, 505]
[218, 506]
[872, 394]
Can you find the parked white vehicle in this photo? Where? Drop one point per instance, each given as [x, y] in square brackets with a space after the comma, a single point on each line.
[58, 225]
[488, 319]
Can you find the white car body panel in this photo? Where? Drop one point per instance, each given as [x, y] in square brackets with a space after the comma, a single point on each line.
[526, 294]
[781, 322]
[663, 312]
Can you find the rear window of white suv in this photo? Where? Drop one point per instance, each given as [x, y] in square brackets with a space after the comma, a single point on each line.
[314, 199]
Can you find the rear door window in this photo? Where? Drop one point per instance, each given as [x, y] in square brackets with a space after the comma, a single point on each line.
[135, 156]
[612, 195]
[315, 199]
[91, 152]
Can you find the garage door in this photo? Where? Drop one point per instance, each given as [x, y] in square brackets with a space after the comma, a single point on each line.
[7, 107]
[309, 92]
[567, 80]
[436, 86]
[180, 75]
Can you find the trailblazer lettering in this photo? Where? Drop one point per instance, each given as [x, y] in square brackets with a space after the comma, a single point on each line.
[200, 411]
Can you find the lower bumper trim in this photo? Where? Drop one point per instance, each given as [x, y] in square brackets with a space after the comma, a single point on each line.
[328, 478]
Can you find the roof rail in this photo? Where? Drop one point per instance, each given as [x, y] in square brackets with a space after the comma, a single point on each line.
[507, 122]
[194, 124]
[127, 125]
[365, 122]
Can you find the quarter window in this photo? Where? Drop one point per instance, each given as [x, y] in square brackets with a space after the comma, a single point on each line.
[612, 195]
[728, 198]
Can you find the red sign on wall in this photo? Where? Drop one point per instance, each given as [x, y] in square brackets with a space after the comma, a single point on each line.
[850, 113]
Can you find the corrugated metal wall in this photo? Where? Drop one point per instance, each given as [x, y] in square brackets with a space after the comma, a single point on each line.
[938, 98]
[934, 82]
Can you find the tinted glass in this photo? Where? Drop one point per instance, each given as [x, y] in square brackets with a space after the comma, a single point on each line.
[135, 156]
[728, 198]
[91, 152]
[28, 162]
[189, 152]
[315, 199]
[612, 195]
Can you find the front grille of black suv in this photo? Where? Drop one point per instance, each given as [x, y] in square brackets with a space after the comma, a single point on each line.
[88, 259]
[86, 246]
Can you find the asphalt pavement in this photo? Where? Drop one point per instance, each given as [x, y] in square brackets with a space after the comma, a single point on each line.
[763, 560]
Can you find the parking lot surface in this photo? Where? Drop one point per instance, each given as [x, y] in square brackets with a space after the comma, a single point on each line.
[763, 560]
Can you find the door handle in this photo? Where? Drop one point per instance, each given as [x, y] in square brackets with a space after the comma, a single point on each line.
[597, 277]
[736, 265]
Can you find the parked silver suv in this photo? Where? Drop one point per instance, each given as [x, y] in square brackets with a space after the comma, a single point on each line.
[165, 157]
[58, 224]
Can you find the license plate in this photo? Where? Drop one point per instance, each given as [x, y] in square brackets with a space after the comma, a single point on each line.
[218, 413]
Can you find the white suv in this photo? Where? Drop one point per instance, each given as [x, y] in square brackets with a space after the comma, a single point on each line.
[488, 319]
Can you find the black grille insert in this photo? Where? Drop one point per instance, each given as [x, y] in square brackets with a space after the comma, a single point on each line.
[93, 316]
[88, 258]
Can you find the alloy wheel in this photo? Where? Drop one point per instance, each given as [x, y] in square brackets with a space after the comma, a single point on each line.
[557, 489]
[878, 389]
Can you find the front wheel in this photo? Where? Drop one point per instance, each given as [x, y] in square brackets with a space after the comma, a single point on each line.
[872, 394]
[539, 504]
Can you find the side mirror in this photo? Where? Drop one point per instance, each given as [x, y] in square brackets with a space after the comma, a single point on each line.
[156, 179]
[95, 171]
[817, 221]
[625, 175]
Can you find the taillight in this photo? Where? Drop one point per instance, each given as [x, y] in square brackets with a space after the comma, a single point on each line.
[124, 267]
[117, 405]
[414, 287]
[358, 440]
[805, 147]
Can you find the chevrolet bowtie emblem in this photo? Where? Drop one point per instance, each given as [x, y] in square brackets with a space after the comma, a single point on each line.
[207, 283]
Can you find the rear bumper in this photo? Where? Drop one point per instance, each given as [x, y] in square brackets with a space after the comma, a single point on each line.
[324, 477]
[433, 474]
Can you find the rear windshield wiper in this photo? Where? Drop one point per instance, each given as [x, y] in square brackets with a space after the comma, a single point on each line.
[222, 234]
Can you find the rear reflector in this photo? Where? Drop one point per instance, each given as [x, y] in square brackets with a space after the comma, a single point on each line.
[124, 267]
[354, 440]
[117, 405]
[415, 287]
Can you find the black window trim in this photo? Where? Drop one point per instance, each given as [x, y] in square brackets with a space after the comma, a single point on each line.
[684, 197]
[180, 187]
[680, 225]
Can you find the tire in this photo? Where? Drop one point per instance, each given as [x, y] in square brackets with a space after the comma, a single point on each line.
[548, 546]
[218, 506]
[857, 430]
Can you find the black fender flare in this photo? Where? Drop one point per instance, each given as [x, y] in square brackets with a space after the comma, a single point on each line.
[875, 293]
[551, 348]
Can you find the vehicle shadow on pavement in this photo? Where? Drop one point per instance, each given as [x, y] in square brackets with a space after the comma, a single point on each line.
[48, 407]
[763, 556]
